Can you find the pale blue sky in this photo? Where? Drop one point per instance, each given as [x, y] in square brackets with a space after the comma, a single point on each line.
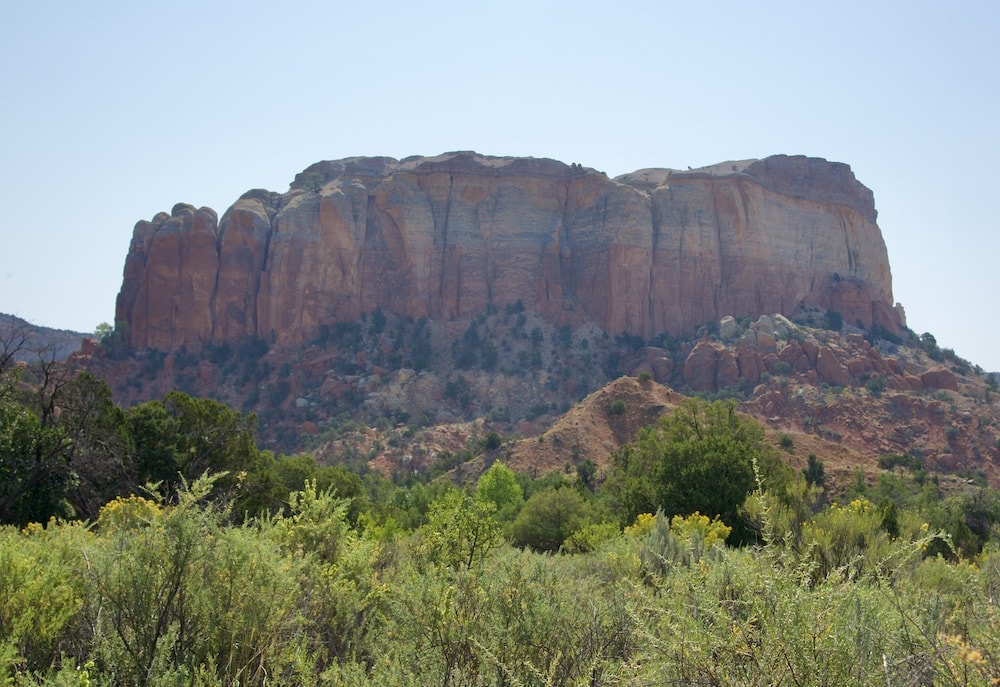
[114, 111]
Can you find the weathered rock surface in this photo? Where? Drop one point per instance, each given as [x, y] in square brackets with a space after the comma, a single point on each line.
[940, 378]
[445, 237]
[777, 346]
[830, 369]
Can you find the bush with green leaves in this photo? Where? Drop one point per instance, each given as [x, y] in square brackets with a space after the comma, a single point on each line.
[549, 517]
[176, 591]
[700, 458]
[41, 595]
[342, 594]
[518, 618]
[814, 471]
[460, 531]
[679, 541]
[499, 486]
[889, 461]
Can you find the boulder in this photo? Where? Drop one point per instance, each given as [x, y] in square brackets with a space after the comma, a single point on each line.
[796, 358]
[700, 367]
[940, 378]
[728, 328]
[727, 371]
[830, 369]
[750, 364]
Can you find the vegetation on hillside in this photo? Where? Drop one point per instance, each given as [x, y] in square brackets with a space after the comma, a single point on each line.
[158, 545]
[518, 372]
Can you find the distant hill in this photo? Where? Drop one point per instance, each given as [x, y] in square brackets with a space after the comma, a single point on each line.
[32, 341]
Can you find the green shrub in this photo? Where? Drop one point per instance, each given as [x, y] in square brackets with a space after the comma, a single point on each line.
[493, 441]
[679, 464]
[681, 541]
[815, 471]
[951, 434]
[781, 367]
[41, 595]
[590, 537]
[833, 320]
[549, 517]
[499, 486]
[905, 460]
[876, 385]
[460, 530]
[847, 540]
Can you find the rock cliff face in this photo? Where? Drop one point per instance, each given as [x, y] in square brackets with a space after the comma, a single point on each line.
[446, 237]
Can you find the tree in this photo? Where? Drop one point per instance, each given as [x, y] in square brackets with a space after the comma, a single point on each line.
[35, 478]
[550, 517]
[815, 471]
[499, 486]
[99, 451]
[65, 449]
[55, 428]
[493, 441]
[833, 321]
[181, 437]
[698, 459]
[586, 471]
[103, 331]
[204, 434]
[112, 337]
[14, 339]
[460, 530]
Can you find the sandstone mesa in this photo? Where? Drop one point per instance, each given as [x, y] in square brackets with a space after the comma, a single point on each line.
[446, 237]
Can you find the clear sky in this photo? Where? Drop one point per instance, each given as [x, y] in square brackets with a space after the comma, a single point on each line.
[115, 110]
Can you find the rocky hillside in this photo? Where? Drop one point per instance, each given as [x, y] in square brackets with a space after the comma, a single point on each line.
[450, 237]
[383, 395]
[395, 314]
[907, 399]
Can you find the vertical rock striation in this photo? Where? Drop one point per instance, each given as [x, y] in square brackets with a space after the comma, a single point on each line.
[445, 237]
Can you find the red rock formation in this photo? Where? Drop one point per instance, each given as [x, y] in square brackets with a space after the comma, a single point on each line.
[650, 252]
[830, 369]
[750, 363]
[940, 378]
[701, 366]
[782, 348]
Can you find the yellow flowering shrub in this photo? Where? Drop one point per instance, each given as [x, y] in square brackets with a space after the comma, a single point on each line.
[129, 512]
[696, 524]
[642, 525]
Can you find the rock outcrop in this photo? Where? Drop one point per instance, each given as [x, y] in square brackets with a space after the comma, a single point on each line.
[447, 237]
[777, 346]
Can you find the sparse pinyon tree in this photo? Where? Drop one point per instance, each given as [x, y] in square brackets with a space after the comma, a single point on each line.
[815, 471]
